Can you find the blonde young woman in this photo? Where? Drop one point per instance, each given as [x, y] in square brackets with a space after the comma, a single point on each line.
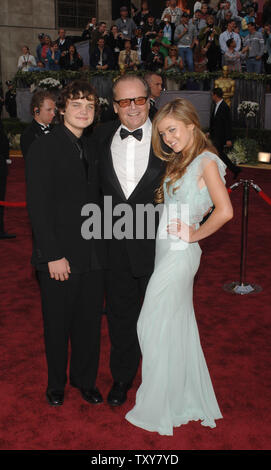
[176, 386]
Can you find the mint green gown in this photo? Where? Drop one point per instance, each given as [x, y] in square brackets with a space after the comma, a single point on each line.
[176, 387]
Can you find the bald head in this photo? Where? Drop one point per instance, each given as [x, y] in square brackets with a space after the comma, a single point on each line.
[155, 83]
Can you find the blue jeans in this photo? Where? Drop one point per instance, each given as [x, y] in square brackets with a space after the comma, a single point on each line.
[254, 65]
[186, 53]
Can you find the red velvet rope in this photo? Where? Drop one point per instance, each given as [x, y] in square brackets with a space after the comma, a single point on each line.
[265, 197]
[12, 204]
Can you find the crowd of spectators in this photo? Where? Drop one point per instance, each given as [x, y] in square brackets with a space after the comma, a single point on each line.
[51, 55]
[202, 40]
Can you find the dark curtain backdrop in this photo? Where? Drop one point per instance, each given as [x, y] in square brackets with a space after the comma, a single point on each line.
[245, 90]
[249, 90]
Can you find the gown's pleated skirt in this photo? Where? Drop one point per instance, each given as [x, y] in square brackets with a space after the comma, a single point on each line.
[176, 385]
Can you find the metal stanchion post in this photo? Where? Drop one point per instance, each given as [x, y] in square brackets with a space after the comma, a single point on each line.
[242, 287]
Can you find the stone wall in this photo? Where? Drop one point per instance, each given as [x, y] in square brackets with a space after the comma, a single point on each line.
[22, 21]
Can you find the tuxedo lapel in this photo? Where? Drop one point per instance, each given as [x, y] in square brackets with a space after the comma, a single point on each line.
[213, 111]
[152, 170]
[112, 173]
[221, 109]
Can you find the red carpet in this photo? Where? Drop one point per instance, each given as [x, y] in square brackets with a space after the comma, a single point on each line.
[234, 330]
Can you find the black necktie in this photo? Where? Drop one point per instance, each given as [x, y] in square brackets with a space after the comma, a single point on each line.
[137, 133]
[82, 155]
[127, 58]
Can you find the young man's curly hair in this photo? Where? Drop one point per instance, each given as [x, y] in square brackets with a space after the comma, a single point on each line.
[76, 90]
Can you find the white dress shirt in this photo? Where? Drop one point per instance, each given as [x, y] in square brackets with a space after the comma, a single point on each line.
[217, 106]
[131, 157]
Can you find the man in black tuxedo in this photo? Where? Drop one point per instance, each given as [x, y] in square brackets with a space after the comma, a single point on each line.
[155, 83]
[60, 182]
[130, 173]
[43, 111]
[221, 128]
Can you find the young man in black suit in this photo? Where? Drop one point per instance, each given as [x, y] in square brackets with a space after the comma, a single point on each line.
[43, 111]
[129, 174]
[60, 182]
[221, 128]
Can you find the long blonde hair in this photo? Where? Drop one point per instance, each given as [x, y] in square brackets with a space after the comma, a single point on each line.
[181, 110]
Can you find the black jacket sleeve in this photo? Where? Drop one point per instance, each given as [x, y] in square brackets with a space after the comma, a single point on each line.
[4, 143]
[40, 201]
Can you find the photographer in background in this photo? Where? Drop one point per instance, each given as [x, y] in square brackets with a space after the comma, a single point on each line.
[209, 42]
[101, 58]
[116, 43]
[90, 27]
[63, 42]
[197, 21]
[98, 33]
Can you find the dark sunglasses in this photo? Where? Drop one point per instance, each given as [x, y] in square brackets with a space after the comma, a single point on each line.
[127, 101]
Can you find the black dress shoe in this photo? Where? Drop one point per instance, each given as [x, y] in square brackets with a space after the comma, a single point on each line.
[6, 235]
[118, 393]
[91, 395]
[55, 397]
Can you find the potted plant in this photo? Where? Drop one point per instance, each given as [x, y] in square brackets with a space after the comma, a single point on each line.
[249, 110]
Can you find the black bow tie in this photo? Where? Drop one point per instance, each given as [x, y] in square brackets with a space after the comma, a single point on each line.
[45, 129]
[137, 133]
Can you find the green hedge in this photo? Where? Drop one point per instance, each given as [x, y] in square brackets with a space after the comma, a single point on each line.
[14, 126]
[262, 137]
[27, 78]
